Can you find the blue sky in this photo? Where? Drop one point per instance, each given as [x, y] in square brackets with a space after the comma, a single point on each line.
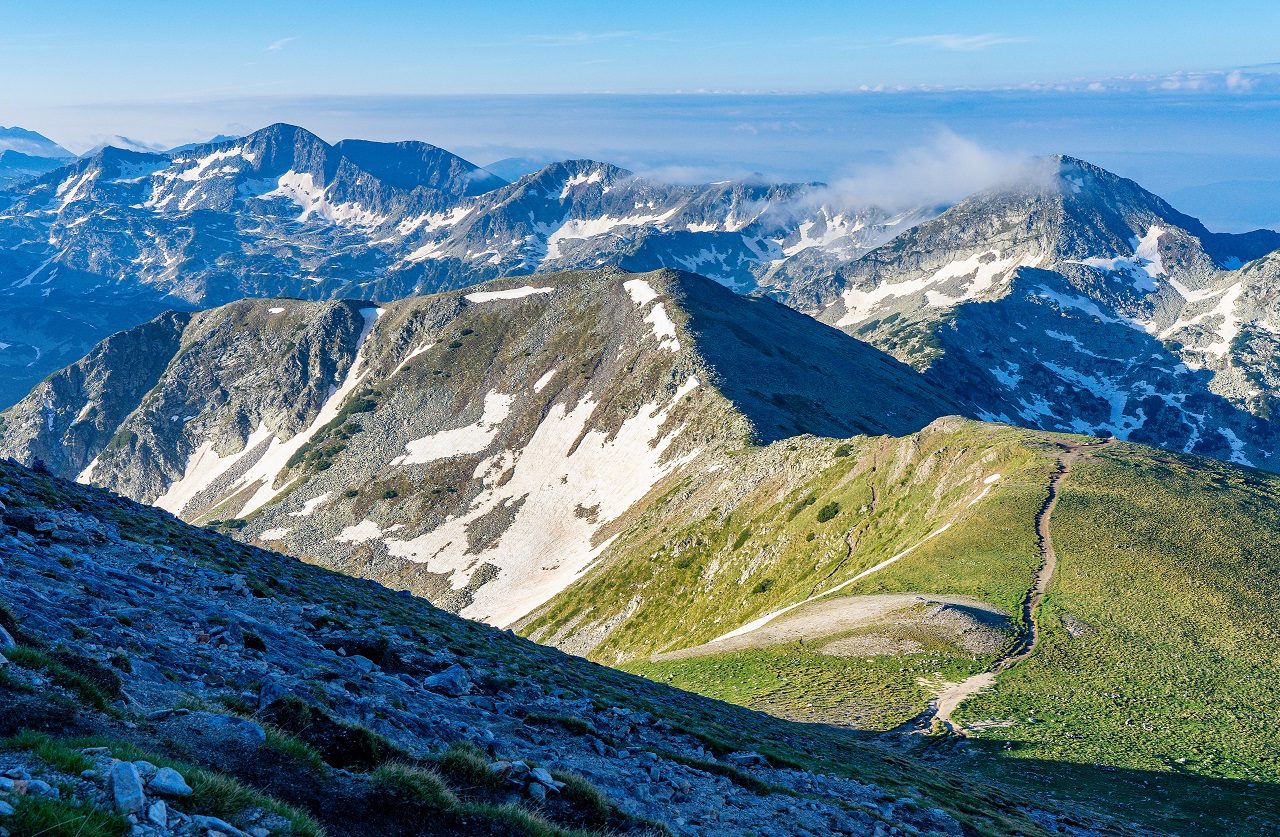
[1180, 95]
[104, 51]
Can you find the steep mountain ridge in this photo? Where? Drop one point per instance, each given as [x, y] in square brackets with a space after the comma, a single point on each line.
[479, 447]
[1078, 302]
[32, 143]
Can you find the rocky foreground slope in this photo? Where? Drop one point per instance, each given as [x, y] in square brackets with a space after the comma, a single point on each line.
[160, 679]
[480, 447]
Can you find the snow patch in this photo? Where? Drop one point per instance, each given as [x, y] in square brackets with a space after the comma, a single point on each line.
[563, 469]
[544, 380]
[309, 507]
[365, 530]
[461, 440]
[640, 291]
[511, 293]
[663, 328]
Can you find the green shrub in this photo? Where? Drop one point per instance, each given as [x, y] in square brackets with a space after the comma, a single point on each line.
[828, 511]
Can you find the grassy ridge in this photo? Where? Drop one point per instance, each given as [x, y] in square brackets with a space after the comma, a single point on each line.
[991, 555]
[685, 581]
[1167, 578]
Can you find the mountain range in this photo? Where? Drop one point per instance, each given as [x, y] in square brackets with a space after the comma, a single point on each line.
[986, 483]
[1127, 317]
[115, 238]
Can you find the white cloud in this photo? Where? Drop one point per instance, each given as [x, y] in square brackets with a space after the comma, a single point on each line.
[942, 171]
[276, 46]
[959, 43]
[584, 38]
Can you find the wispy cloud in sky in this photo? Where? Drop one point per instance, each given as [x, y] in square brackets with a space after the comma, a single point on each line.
[584, 38]
[960, 43]
[276, 46]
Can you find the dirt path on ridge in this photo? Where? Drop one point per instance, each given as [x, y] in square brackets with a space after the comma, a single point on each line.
[952, 695]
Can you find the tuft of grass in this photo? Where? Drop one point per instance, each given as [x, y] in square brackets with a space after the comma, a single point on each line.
[466, 767]
[40, 816]
[47, 749]
[213, 793]
[414, 787]
[588, 800]
[76, 682]
[338, 743]
[577, 726]
[728, 771]
[293, 749]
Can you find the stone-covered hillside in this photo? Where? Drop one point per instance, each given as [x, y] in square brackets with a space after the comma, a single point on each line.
[160, 679]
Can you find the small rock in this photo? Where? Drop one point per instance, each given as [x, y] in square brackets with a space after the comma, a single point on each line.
[542, 777]
[126, 788]
[145, 769]
[273, 688]
[453, 681]
[169, 782]
[40, 788]
[538, 791]
[747, 759]
[214, 824]
[162, 715]
[6, 641]
[158, 813]
[7, 810]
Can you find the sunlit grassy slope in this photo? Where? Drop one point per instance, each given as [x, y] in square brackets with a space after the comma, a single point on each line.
[1160, 645]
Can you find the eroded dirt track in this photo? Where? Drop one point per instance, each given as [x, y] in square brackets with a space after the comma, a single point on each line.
[951, 695]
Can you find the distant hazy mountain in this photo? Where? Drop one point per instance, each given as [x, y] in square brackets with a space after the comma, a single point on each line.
[30, 143]
[17, 168]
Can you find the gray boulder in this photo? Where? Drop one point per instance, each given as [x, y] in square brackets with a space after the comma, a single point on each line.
[126, 788]
[453, 681]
